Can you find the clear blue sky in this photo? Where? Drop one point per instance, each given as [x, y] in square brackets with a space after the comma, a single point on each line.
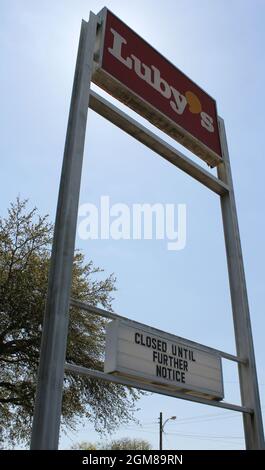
[220, 46]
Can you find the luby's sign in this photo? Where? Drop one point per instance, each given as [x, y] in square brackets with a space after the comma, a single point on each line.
[135, 73]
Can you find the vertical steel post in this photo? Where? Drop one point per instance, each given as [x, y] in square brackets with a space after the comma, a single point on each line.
[253, 426]
[48, 403]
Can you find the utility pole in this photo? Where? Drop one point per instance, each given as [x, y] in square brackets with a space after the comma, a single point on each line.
[161, 428]
[160, 431]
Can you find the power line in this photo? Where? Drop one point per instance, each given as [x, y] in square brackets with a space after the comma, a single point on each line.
[205, 435]
[205, 420]
[190, 420]
[219, 439]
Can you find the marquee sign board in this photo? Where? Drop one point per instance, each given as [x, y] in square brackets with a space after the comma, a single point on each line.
[135, 73]
[159, 358]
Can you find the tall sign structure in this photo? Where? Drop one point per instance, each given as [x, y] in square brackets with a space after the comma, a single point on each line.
[123, 64]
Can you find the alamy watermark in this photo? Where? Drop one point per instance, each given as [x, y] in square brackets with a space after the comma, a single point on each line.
[145, 221]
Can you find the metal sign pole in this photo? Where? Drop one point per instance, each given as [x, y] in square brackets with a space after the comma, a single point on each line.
[47, 413]
[253, 426]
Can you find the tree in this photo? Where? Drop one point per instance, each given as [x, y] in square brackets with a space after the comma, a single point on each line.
[118, 444]
[129, 444]
[85, 446]
[25, 242]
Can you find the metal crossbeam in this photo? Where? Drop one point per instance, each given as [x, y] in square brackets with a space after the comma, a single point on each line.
[114, 316]
[153, 388]
[155, 143]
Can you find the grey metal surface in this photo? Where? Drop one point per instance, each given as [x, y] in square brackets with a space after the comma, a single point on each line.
[155, 143]
[115, 316]
[153, 388]
[47, 414]
[247, 372]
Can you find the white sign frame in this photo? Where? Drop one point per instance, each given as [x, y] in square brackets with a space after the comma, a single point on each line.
[197, 367]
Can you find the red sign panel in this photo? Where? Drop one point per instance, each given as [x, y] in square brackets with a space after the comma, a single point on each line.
[135, 73]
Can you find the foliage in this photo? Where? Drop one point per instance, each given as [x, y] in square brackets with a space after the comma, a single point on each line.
[25, 241]
[129, 444]
[118, 444]
[85, 446]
